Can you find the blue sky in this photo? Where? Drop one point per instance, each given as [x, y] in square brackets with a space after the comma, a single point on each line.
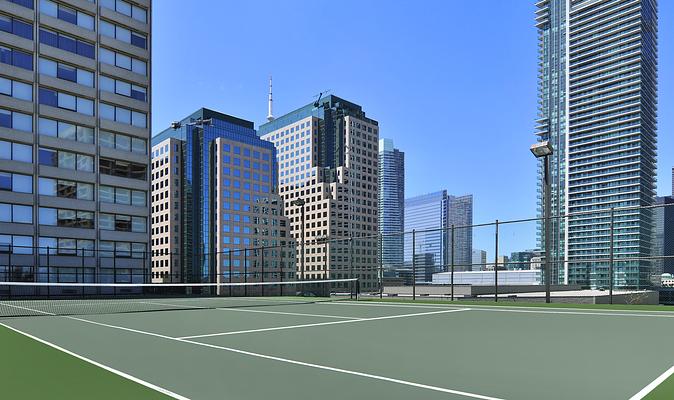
[453, 83]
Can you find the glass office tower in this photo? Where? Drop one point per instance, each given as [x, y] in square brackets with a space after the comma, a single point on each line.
[75, 86]
[391, 204]
[597, 106]
[226, 185]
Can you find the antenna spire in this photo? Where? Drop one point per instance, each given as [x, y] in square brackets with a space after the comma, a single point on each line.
[270, 115]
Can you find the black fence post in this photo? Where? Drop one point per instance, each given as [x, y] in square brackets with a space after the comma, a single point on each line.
[610, 261]
[496, 263]
[381, 266]
[452, 263]
[229, 255]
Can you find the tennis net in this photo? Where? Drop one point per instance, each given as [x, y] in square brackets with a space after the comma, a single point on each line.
[21, 299]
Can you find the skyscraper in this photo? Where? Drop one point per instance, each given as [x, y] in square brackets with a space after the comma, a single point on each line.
[74, 129]
[431, 216]
[327, 157]
[391, 203]
[214, 190]
[597, 106]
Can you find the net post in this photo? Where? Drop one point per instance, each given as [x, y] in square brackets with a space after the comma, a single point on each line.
[262, 269]
[414, 265]
[496, 262]
[9, 269]
[114, 269]
[82, 267]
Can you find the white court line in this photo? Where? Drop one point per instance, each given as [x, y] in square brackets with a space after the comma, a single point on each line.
[300, 363]
[97, 364]
[281, 328]
[651, 386]
[544, 310]
[575, 313]
[250, 311]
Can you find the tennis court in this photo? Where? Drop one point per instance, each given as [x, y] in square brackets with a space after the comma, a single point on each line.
[291, 347]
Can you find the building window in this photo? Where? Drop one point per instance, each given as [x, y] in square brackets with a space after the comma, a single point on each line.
[16, 151]
[17, 244]
[16, 27]
[18, 90]
[65, 71]
[123, 34]
[15, 120]
[67, 43]
[64, 130]
[123, 61]
[16, 213]
[16, 182]
[66, 218]
[16, 58]
[110, 194]
[66, 101]
[123, 88]
[23, 3]
[126, 8]
[67, 14]
[65, 189]
[123, 115]
[122, 223]
[123, 169]
[65, 159]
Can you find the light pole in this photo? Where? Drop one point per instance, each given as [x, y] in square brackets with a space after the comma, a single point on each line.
[544, 149]
[198, 123]
[300, 203]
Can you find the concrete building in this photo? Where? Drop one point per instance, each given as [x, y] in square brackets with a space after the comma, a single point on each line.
[479, 260]
[74, 128]
[215, 204]
[391, 204]
[327, 154]
[598, 108]
[431, 216]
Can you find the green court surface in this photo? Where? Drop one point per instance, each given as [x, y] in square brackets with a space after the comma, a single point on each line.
[341, 349]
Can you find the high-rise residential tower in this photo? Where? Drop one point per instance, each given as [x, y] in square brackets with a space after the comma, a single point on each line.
[431, 216]
[597, 106]
[74, 132]
[391, 204]
[214, 191]
[327, 157]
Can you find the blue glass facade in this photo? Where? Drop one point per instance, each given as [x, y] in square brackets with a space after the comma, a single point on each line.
[198, 196]
[391, 203]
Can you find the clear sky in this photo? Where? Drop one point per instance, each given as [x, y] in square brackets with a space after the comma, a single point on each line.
[452, 82]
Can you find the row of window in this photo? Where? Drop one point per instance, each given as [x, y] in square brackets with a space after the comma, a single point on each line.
[126, 8]
[123, 88]
[16, 151]
[24, 245]
[66, 101]
[67, 43]
[16, 213]
[122, 142]
[123, 61]
[16, 27]
[123, 34]
[65, 159]
[64, 130]
[123, 115]
[123, 223]
[65, 71]
[16, 120]
[67, 14]
[16, 58]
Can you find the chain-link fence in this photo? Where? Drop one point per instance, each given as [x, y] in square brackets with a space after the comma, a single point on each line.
[594, 256]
